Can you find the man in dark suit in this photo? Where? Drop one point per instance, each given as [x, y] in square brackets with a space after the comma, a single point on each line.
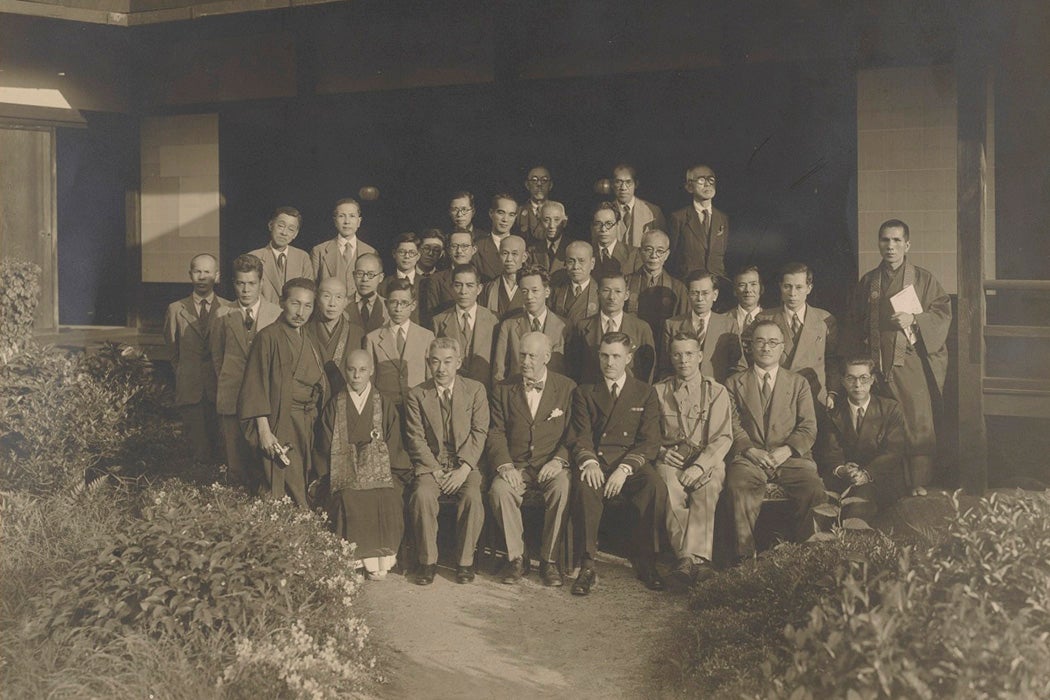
[699, 232]
[489, 257]
[577, 297]
[186, 327]
[335, 257]
[447, 421]
[501, 295]
[610, 252]
[471, 324]
[718, 334]
[774, 429]
[636, 215]
[528, 443]
[653, 294]
[534, 287]
[461, 211]
[332, 331]
[232, 331]
[431, 259]
[406, 257]
[862, 447]
[549, 251]
[588, 333]
[616, 426]
[439, 295]
[367, 309]
[281, 260]
[538, 183]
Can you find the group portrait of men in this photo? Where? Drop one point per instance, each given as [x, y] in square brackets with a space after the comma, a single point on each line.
[518, 366]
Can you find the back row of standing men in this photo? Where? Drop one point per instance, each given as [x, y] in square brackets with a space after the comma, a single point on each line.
[525, 276]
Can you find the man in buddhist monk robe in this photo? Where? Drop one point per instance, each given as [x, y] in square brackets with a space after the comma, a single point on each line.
[334, 333]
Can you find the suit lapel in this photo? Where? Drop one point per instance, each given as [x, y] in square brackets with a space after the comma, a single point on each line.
[520, 403]
[236, 319]
[189, 312]
[432, 409]
[388, 342]
[270, 271]
[753, 402]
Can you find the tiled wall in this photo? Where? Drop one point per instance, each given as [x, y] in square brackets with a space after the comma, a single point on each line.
[180, 193]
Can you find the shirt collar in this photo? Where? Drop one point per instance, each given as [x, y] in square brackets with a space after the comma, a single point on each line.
[198, 299]
[525, 381]
[344, 242]
[801, 313]
[254, 307]
[619, 382]
[706, 318]
[631, 204]
[450, 387]
[471, 312]
[702, 207]
[692, 384]
[584, 284]
[541, 316]
[772, 374]
[410, 275]
[407, 322]
[510, 289]
[853, 408]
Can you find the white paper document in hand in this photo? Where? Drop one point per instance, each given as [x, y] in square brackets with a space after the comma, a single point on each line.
[907, 301]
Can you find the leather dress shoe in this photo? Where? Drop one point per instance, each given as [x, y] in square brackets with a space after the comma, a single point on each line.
[585, 581]
[704, 570]
[684, 573]
[464, 574]
[551, 574]
[512, 571]
[425, 575]
[652, 578]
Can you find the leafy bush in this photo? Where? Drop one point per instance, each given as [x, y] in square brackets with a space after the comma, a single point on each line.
[20, 282]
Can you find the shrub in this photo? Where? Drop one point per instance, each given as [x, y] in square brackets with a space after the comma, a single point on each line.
[20, 282]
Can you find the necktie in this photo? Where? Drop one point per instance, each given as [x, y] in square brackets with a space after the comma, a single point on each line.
[535, 325]
[204, 309]
[860, 417]
[576, 289]
[767, 390]
[551, 253]
[610, 326]
[796, 325]
[604, 254]
[249, 321]
[348, 253]
[614, 391]
[281, 257]
[366, 311]
[748, 319]
[703, 218]
[700, 328]
[401, 340]
[628, 222]
[445, 399]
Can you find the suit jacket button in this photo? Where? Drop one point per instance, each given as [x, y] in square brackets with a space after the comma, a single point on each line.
[625, 434]
[604, 434]
[600, 453]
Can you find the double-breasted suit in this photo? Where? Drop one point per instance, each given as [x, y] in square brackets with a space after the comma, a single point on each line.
[720, 344]
[297, 264]
[505, 359]
[587, 336]
[574, 307]
[396, 373]
[326, 261]
[696, 246]
[477, 349]
[814, 351]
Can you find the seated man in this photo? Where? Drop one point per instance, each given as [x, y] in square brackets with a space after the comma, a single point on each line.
[283, 390]
[398, 349]
[528, 444]
[447, 420]
[612, 295]
[774, 428]
[863, 444]
[616, 425]
[696, 418]
[534, 287]
[335, 335]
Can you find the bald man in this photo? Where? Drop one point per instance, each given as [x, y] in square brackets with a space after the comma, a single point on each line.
[186, 331]
[527, 441]
[549, 251]
[501, 296]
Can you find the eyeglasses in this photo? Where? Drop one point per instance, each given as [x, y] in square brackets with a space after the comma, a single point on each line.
[538, 180]
[461, 210]
[407, 253]
[699, 293]
[281, 226]
[366, 275]
[709, 179]
[853, 380]
[461, 246]
[763, 343]
[431, 249]
[603, 225]
[649, 251]
[623, 183]
[398, 303]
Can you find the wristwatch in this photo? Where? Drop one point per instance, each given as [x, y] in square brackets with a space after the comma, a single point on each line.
[626, 469]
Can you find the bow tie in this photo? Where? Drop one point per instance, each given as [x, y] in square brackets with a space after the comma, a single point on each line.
[538, 386]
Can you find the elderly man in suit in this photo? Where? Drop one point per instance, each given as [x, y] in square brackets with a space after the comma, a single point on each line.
[538, 184]
[502, 213]
[534, 286]
[398, 349]
[367, 309]
[549, 251]
[187, 323]
[718, 334]
[616, 425]
[576, 298]
[439, 295]
[528, 444]
[774, 429]
[636, 215]
[335, 257]
[610, 252]
[232, 332]
[447, 424]
[501, 295]
[333, 333]
[588, 333]
[653, 294]
[810, 334]
[696, 418]
[700, 232]
[862, 446]
[281, 260]
[471, 324]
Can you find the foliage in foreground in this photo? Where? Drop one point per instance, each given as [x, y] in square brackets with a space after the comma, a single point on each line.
[180, 591]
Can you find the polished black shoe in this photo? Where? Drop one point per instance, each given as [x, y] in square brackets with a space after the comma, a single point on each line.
[684, 573]
[585, 581]
[551, 574]
[652, 578]
[512, 571]
[425, 575]
[464, 574]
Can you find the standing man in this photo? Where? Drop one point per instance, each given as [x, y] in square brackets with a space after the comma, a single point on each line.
[538, 184]
[282, 261]
[332, 332]
[447, 423]
[186, 327]
[774, 429]
[699, 232]
[406, 257]
[904, 332]
[696, 419]
[439, 295]
[636, 215]
[461, 211]
[528, 443]
[549, 251]
[335, 257]
[232, 333]
[490, 251]
[654, 295]
[616, 423]
[471, 324]
[577, 297]
[283, 391]
[398, 349]
[367, 309]
[501, 295]
[609, 250]
[748, 290]
[588, 333]
[717, 333]
[810, 334]
[534, 286]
